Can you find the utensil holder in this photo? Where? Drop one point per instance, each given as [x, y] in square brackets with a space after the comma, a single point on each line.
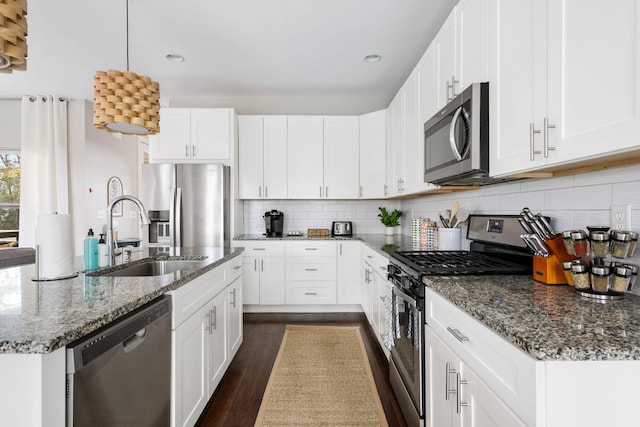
[449, 239]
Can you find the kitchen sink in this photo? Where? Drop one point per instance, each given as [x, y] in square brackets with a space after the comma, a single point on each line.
[151, 268]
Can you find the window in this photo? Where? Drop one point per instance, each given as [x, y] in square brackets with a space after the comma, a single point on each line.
[9, 198]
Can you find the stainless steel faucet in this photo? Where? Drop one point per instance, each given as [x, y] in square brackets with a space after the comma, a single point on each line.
[110, 243]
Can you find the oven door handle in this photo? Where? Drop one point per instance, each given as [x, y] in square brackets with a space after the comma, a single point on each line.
[405, 297]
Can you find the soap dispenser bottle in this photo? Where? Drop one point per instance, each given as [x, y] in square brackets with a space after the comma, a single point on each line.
[90, 251]
[103, 254]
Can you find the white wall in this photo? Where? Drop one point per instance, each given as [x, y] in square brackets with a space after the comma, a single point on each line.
[10, 121]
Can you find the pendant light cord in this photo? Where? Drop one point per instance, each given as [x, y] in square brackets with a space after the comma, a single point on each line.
[127, 35]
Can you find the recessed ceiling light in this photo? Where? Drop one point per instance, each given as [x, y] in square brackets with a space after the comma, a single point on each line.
[372, 58]
[174, 57]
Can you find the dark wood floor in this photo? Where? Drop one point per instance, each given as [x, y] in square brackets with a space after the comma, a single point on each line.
[237, 400]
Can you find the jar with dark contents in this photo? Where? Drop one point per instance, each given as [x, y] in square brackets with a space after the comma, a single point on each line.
[580, 275]
[599, 243]
[579, 243]
[621, 279]
[620, 244]
[566, 268]
[566, 239]
[600, 278]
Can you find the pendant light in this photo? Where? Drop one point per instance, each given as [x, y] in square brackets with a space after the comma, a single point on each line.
[124, 101]
[13, 35]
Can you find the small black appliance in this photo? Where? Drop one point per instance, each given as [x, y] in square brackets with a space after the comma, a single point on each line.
[273, 222]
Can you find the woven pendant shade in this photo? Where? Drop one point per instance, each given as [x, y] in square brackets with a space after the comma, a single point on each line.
[125, 102]
[13, 33]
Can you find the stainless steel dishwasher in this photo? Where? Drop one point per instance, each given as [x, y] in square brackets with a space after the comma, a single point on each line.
[121, 374]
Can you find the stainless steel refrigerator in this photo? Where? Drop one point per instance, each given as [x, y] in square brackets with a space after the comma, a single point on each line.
[188, 204]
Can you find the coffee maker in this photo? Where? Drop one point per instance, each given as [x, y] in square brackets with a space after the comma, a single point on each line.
[273, 221]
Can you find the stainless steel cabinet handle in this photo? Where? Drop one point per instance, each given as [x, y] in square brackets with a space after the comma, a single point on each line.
[453, 86]
[386, 191]
[546, 147]
[361, 191]
[259, 249]
[458, 335]
[382, 267]
[255, 265]
[311, 293]
[369, 256]
[326, 191]
[261, 265]
[266, 191]
[310, 269]
[237, 267]
[532, 150]
[447, 87]
[233, 301]
[193, 151]
[259, 191]
[321, 191]
[186, 151]
[208, 327]
[447, 380]
[340, 249]
[459, 402]
[310, 249]
[214, 318]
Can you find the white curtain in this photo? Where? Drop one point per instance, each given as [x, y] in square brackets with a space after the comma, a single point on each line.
[44, 176]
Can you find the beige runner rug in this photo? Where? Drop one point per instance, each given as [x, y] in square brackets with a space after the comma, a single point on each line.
[321, 377]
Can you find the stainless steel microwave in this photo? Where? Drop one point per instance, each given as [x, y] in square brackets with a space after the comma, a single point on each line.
[456, 140]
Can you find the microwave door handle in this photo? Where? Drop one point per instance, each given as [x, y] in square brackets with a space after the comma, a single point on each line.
[452, 135]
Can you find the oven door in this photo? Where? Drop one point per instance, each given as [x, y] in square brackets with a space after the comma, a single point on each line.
[407, 350]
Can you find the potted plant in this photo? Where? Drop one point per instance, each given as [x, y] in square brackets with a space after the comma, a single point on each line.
[390, 220]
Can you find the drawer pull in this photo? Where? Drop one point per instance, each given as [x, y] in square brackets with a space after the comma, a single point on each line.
[369, 256]
[237, 267]
[259, 249]
[459, 402]
[310, 249]
[311, 293]
[458, 335]
[310, 269]
[447, 380]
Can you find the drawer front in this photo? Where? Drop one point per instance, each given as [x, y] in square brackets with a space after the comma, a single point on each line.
[262, 248]
[508, 371]
[311, 248]
[234, 268]
[311, 292]
[189, 298]
[375, 260]
[315, 268]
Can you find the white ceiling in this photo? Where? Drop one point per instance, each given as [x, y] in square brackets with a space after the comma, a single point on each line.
[276, 56]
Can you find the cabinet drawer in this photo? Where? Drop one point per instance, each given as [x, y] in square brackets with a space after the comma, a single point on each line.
[234, 269]
[311, 248]
[311, 268]
[508, 371]
[311, 292]
[189, 298]
[375, 260]
[262, 248]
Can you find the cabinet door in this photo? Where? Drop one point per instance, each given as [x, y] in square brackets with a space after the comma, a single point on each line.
[441, 366]
[348, 272]
[173, 142]
[376, 312]
[275, 157]
[472, 42]
[445, 50]
[250, 157]
[372, 155]
[305, 157]
[484, 408]
[211, 133]
[251, 279]
[366, 289]
[390, 186]
[594, 78]
[217, 341]
[427, 90]
[517, 72]
[396, 146]
[189, 348]
[272, 280]
[234, 299]
[341, 151]
[413, 139]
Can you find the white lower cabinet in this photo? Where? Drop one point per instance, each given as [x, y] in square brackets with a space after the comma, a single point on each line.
[311, 272]
[376, 295]
[348, 272]
[263, 272]
[205, 337]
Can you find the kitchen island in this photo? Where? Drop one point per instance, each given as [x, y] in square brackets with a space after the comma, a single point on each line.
[38, 319]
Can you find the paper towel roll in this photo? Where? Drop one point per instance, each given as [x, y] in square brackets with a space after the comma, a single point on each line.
[54, 237]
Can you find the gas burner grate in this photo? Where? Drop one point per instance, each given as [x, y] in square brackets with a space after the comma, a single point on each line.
[455, 262]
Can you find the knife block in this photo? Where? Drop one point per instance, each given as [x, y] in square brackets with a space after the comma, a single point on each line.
[549, 270]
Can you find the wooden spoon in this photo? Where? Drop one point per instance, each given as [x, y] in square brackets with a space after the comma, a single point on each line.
[454, 211]
[461, 217]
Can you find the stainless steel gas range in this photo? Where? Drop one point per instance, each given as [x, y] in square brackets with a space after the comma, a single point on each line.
[496, 248]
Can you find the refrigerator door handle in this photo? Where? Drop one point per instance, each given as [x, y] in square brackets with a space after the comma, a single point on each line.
[172, 216]
[177, 226]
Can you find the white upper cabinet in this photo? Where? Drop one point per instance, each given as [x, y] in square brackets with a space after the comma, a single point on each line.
[372, 155]
[427, 90]
[194, 135]
[447, 83]
[262, 158]
[395, 146]
[413, 138]
[564, 82]
[341, 154]
[305, 157]
[472, 43]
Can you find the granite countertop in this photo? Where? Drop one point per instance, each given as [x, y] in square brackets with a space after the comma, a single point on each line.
[547, 322]
[40, 317]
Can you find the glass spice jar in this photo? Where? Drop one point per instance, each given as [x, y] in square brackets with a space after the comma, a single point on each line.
[621, 279]
[620, 244]
[599, 243]
[566, 268]
[579, 243]
[634, 243]
[634, 275]
[566, 239]
[600, 278]
[580, 275]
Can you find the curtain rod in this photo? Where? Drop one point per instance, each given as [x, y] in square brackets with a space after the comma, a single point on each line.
[31, 98]
[44, 98]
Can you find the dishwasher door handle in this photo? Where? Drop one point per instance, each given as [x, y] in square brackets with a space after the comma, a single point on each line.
[134, 340]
